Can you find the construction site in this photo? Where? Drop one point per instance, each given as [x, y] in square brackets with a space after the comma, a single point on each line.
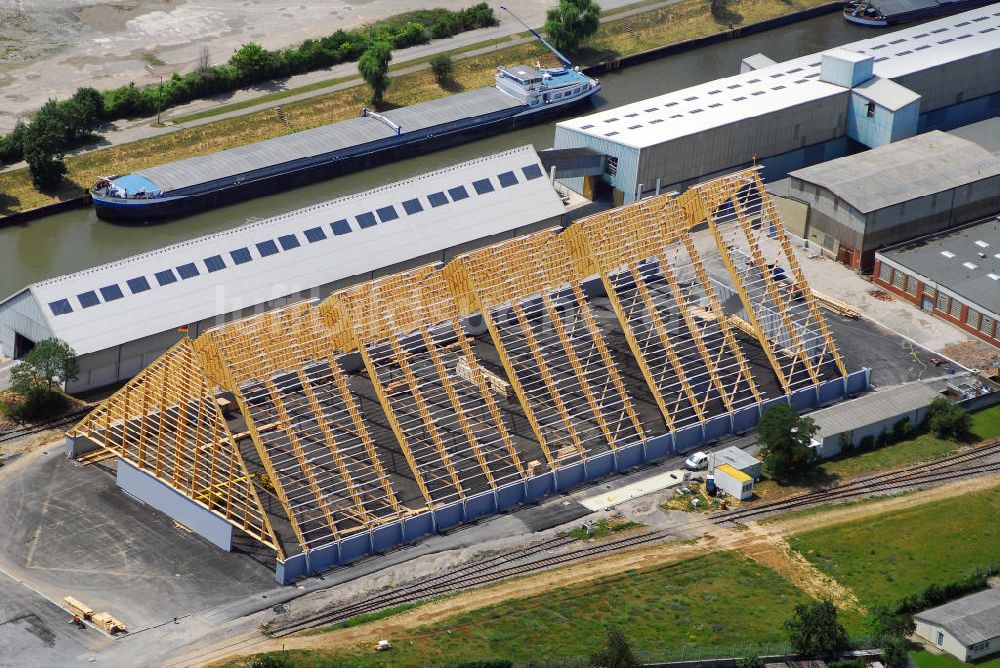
[323, 431]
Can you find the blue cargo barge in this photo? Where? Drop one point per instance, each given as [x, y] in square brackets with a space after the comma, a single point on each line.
[522, 95]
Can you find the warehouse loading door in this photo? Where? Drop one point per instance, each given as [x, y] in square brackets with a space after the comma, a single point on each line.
[22, 345]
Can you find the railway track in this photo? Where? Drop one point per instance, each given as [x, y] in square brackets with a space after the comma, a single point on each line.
[940, 470]
[536, 558]
[489, 571]
[57, 423]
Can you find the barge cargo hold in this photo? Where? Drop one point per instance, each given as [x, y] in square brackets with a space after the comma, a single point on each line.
[883, 13]
[522, 95]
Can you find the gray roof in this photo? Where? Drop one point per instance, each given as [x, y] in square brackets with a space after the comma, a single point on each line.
[897, 6]
[920, 166]
[952, 260]
[887, 93]
[873, 407]
[256, 263]
[326, 138]
[971, 619]
[735, 457]
[985, 133]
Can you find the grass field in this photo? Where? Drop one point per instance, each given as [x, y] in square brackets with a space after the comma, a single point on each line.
[685, 20]
[885, 558]
[922, 448]
[928, 660]
[715, 601]
[986, 423]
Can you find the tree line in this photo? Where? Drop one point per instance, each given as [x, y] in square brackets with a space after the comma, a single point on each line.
[59, 124]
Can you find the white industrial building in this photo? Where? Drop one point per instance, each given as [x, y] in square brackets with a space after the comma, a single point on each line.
[869, 93]
[968, 628]
[121, 316]
[844, 425]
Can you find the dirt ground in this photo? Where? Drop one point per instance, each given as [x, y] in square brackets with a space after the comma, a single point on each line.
[48, 48]
[763, 543]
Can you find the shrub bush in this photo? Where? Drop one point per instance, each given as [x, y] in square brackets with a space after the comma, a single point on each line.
[442, 67]
[936, 594]
[867, 443]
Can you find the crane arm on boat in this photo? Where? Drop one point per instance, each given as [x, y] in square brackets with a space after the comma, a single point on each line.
[564, 59]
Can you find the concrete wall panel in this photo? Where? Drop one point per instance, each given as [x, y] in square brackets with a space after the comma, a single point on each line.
[569, 475]
[479, 505]
[659, 447]
[746, 418]
[154, 493]
[510, 496]
[687, 439]
[717, 426]
[629, 456]
[448, 516]
[539, 486]
[600, 465]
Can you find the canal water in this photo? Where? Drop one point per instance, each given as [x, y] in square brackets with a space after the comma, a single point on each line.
[75, 240]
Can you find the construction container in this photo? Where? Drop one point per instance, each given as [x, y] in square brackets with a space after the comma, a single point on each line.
[733, 482]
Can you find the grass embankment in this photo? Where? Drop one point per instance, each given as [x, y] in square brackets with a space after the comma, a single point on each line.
[928, 660]
[715, 601]
[685, 20]
[921, 448]
[605, 528]
[898, 554]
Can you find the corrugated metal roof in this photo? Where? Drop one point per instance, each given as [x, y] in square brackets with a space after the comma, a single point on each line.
[872, 407]
[220, 273]
[944, 260]
[317, 141]
[887, 93]
[985, 133]
[971, 619]
[916, 167]
[734, 457]
[700, 108]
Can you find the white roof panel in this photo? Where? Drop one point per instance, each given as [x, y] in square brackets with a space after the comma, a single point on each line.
[768, 89]
[297, 251]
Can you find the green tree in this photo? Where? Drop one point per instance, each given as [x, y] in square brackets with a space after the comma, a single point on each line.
[374, 68]
[51, 361]
[814, 629]
[882, 622]
[947, 419]
[442, 67]
[572, 22]
[750, 661]
[274, 660]
[12, 145]
[616, 652]
[785, 438]
[252, 62]
[88, 104]
[895, 652]
[42, 145]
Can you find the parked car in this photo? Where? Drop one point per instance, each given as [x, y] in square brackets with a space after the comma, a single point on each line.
[696, 461]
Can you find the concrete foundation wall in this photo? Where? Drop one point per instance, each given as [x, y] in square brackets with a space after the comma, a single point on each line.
[151, 491]
[537, 487]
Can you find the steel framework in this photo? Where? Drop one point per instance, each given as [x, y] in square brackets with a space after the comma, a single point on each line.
[452, 357]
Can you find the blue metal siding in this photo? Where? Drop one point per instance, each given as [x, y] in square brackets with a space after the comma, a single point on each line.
[628, 158]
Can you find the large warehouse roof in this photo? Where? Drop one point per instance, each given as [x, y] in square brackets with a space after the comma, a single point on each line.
[769, 89]
[324, 139]
[220, 273]
[916, 167]
[965, 261]
[873, 408]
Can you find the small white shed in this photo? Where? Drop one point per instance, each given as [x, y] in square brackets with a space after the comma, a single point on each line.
[733, 482]
[738, 459]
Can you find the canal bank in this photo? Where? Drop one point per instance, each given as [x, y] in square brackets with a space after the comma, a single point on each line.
[74, 240]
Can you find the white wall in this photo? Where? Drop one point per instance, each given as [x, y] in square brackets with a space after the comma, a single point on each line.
[832, 442]
[21, 314]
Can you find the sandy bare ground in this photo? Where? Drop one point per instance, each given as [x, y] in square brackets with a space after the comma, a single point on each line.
[763, 543]
[48, 48]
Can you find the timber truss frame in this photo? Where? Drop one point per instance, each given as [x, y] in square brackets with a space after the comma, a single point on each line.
[302, 437]
[166, 422]
[550, 345]
[436, 395]
[304, 422]
[780, 309]
[670, 313]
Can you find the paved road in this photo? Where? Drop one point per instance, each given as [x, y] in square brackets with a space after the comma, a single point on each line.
[129, 130]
